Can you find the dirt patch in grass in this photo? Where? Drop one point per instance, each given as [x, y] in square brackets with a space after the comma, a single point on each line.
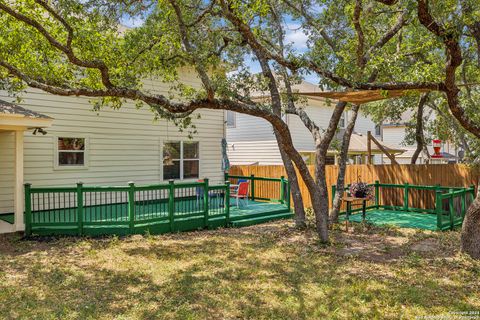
[269, 271]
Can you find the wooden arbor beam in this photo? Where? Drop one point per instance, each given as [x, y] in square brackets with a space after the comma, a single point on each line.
[370, 138]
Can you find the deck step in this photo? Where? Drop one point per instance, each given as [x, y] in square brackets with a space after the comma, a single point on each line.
[234, 216]
[262, 219]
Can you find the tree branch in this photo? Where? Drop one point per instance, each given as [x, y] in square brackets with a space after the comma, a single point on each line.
[419, 136]
[189, 48]
[66, 49]
[401, 21]
[454, 60]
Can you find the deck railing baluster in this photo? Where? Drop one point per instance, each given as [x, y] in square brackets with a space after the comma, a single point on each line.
[80, 207]
[131, 206]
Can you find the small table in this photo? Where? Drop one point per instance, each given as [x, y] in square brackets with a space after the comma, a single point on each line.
[353, 200]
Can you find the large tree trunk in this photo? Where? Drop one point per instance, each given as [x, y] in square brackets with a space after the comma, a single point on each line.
[298, 205]
[320, 201]
[342, 165]
[470, 239]
[419, 136]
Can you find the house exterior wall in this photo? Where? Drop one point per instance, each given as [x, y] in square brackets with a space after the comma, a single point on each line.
[122, 145]
[393, 135]
[7, 173]
[251, 152]
[249, 128]
[255, 141]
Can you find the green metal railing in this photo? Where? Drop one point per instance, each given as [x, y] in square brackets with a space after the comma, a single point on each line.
[449, 204]
[126, 209]
[265, 189]
[136, 209]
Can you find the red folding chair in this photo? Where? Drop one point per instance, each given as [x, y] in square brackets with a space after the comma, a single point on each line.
[241, 193]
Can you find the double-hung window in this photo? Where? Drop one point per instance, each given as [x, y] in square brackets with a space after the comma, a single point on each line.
[181, 160]
[71, 152]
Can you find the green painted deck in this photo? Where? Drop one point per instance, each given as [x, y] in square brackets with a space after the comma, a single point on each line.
[119, 212]
[153, 216]
[400, 219]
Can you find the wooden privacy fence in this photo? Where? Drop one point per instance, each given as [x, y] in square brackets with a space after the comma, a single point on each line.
[447, 175]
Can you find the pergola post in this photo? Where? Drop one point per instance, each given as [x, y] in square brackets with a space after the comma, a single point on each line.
[18, 199]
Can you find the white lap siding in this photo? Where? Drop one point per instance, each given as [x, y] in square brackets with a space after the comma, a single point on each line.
[123, 145]
[7, 173]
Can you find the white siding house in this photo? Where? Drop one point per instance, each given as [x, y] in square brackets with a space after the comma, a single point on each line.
[251, 140]
[118, 146]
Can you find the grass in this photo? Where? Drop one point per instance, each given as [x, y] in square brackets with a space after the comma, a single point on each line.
[269, 271]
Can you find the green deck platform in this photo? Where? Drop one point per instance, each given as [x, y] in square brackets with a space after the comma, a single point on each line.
[153, 217]
[400, 219]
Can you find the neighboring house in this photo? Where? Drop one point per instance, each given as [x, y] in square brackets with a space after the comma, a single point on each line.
[394, 135]
[109, 147]
[251, 139]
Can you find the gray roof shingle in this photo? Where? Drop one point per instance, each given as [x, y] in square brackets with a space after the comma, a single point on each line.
[10, 108]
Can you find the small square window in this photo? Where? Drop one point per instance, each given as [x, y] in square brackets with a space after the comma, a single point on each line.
[71, 152]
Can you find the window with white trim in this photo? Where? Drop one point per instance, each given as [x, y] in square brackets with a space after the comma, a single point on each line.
[378, 130]
[71, 152]
[181, 160]
[231, 119]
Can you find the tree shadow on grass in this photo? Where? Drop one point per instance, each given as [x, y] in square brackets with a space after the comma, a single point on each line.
[246, 274]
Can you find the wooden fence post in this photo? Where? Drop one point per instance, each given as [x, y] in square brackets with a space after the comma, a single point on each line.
[171, 203]
[405, 197]
[227, 203]
[252, 187]
[28, 209]
[131, 206]
[80, 207]
[205, 202]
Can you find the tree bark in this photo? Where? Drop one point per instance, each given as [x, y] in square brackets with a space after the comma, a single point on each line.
[298, 205]
[470, 239]
[342, 165]
[419, 136]
[320, 201]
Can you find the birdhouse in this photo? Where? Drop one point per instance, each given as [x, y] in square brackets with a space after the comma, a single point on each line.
[437, 146]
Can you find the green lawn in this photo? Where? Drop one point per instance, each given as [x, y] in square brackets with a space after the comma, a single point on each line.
[268, 271]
